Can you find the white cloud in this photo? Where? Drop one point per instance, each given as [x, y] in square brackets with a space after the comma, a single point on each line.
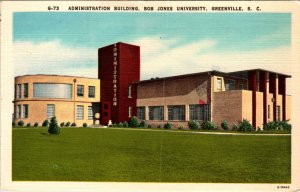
[53, 57]
[159, 58]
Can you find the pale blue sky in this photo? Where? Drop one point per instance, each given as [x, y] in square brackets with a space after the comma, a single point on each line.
[82, 33]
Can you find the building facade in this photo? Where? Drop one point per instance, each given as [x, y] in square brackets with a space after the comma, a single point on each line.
[256, 95]
[118, 94]
[118, 67]
[70, 99]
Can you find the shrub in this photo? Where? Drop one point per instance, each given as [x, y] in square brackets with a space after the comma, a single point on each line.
[125, 124]
[158, 126]
[45, 123]
[234, 127]
[285, 125]
[28, 124]
[143, 123]
[36, 124]
[194, 125]
[224, 125]
[120, 125]
[258, 129]
[270, 126]
[207, 125]
[278, 125]
[84, 125]
[134, 122]
[168, 126]
[245, 125]
[68, 124]
[180, 127]
[53, 126]
[21, 123]
[13, 124]
[62, 124]
[149, 126]
[73, 124]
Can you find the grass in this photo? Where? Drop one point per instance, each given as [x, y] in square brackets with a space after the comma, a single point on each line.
[216, 130]
[86, 154]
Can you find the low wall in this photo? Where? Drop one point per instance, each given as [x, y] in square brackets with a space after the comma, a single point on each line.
[175, 124]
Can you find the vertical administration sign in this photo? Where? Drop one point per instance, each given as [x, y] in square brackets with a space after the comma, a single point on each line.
[115, 74]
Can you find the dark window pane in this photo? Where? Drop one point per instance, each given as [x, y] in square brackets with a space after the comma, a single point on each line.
[80, 90]
[92, 91]
[176, 112]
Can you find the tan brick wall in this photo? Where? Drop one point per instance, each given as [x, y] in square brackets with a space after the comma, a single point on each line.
[259, 110]
[227, 105]
[288, 107]
[247, 105]
[65, 109]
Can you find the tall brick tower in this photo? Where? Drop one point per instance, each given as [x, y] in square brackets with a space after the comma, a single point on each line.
[119, 67]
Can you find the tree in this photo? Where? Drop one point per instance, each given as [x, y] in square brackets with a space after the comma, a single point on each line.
[53, 126]
[134, 122]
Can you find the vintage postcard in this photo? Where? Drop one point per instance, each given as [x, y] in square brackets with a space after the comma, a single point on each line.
[150, 96]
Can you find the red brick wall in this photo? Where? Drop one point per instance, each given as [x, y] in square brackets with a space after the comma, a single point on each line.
[178, 86]
[128, 71]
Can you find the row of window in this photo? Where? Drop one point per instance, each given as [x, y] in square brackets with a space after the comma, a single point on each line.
[229, 84]
[278, 115]
[80, 91]
[176, 112]
[21, 90]
[52, 90]
[22, 111]
[79, 112]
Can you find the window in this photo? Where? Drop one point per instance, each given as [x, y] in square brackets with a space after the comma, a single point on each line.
[219, 84]
[206, 112]
[49, 90]
[80, 90]
[129, 91]
[19, 89]
[156, 113]
[200, 112]
[141, 113]
[50, 111]
[269, 111]
[129, 111]
[25, 90]
[278, 113]
[25, 111]
[176, 112]
[229, 84]
[79, 112]
[18, 113]
[90, 113]
[91, 91]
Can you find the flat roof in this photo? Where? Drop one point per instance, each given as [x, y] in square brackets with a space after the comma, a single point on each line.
[54, 76]
[122, 43]
[235, 74]
[259, 69]
[180, 76]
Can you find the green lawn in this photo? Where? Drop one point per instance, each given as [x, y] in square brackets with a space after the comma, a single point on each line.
[87, 154]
